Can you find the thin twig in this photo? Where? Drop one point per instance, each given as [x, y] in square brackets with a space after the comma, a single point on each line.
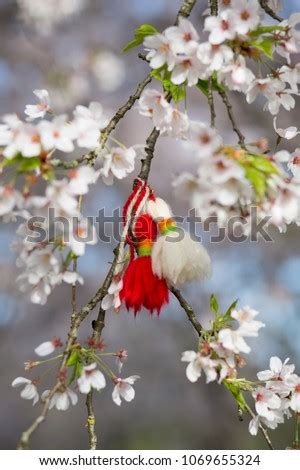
[25, 436]
[213, 7]
[185, 9]
[91, 421]
[188, 309]
[241, 137]
[98, 326]
[210, 98]
[266, 7]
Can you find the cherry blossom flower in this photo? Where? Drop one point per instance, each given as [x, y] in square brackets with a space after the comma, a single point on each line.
[257, 421]
[81, 178]
[61, 399]
[247, 325]
[203, 139]
[57, 134]
[160, 51]
[266, 86]
[118, 163]
[246, 15]
[215, 56]
[121, 357]
[20, 138]
[197, 363]
[183, 37]
[39, 289]
[289, 44]
[285, 208]
[233, 341]
[293, 162]
[124, 389]
[29, 392]
[266, 402]
[280, 96]
[188, 68]
[48, 347]
[177, 124]
[40, 262]
[221, 27]
[152, 103]
[81, 233]
[59, 196]
[91, 378]
[87, 124]
[278, 377]
[112, 298]
[295, 398]
[236, 75]
[38, 110]
[288, 133]
[291, 75]
[9, 199]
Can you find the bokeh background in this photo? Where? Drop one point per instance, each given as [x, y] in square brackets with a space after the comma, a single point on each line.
[78, 58]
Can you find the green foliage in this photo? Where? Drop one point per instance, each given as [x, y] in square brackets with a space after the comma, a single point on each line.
[265, 45]
[139, 35]
[234, 387]
[75, 362]
[258, 168]
[178, 92]
[266, 30]
[23, 164]
[203, 86]
[223, 319]
[214, 305]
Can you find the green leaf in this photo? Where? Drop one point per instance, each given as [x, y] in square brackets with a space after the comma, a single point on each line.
[203, 86]
[74, 358]
[216, 85]
[76, 372]
[266, 29]
[157, 73]
[29, 164]
[235, 390]
[230, 308]
[266, 45]
[12, 161]
[214, 305]
[177, 91]
[140, 33]
[70, 257]
[263, 164]
[258, 181]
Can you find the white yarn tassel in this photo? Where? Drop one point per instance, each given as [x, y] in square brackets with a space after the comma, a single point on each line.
[176, 257]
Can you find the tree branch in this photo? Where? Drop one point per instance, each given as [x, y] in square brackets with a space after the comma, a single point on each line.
[185, 9]
[228, 105]
[188, 310]
[265, 6]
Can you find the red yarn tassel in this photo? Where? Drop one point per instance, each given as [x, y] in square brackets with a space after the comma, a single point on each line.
[141, 287]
